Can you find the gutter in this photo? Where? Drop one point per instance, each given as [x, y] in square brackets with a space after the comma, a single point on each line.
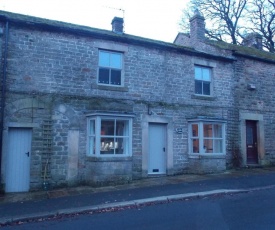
[3, 95]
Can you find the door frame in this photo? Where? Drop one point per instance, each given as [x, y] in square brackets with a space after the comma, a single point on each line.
[6, 139]
[260, 136]
[252, 147]
[18, 158]
[146, 119]
[161, 154]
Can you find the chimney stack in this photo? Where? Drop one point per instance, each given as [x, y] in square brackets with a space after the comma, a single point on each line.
[117, 25]
[253, 40]
[197, 26]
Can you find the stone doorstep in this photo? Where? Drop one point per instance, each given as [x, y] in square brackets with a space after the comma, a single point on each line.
[57, 193]
[23, 197]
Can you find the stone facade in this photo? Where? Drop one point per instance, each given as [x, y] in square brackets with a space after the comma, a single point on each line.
[52, 88]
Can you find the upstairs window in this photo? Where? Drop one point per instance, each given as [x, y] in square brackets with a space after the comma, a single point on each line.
[202, 80]
[207, 137]
[110, 68]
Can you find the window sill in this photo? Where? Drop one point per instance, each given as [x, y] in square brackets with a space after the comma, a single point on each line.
[203, 97]
[207, 156]
[112, 88]
[108, 158]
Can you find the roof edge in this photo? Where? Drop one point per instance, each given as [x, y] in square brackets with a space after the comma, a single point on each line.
[236, 53]
[59, 26]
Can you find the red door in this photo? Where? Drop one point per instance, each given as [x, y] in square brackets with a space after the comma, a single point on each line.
[251, 142]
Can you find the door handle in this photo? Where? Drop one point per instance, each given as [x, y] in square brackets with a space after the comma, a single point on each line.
[163, 149]
[28, 154]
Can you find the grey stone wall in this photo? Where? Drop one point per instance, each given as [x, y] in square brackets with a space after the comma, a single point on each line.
[205, 164]
[59, 70]
[259, 100]
[64, 64]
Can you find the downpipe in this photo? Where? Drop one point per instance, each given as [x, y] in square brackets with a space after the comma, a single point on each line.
[3, 95]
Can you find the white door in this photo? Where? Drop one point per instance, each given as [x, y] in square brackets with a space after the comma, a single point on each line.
[157, 149]
[18, 160]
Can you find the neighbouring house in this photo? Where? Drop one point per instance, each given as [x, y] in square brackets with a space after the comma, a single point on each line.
[81, 105]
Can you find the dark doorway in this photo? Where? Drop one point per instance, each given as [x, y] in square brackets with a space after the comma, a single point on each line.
[251, 142]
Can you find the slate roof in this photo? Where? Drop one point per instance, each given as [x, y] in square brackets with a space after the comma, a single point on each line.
[245, 51]
[58, 26]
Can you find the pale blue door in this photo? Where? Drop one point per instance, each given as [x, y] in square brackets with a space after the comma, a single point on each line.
[157, 149]
[17, 176]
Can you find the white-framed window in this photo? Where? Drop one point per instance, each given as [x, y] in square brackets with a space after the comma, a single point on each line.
[110, 65]
[203, 80]
[109, 136]
[206, 137]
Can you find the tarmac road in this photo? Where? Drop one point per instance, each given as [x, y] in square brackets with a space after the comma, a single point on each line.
[41, 205]
[251, 210]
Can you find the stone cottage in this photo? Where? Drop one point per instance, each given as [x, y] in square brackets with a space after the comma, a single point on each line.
[81, 105]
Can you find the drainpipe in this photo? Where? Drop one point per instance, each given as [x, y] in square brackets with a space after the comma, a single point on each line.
[3, 94]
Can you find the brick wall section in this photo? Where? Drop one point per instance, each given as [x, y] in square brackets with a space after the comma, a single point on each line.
[258, 101]
[262, 76]
[2, 48]
[62, 63]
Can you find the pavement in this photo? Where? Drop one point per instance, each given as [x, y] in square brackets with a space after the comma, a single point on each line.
[39, 205]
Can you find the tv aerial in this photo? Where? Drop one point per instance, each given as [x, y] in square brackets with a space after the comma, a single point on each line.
[118, 9]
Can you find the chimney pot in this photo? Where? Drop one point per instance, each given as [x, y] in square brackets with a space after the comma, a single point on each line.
[117, 25]
[253, 40]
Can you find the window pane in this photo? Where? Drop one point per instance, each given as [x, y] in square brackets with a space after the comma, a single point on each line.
[195, 130]
[91, 145]
[116, 77]
[207, 130]
[208, 146]
[206, 88]
[217, 146]
[206, 74]
[198, 73]
[115, 61]
[198, 87]
[108, 135]
[103, 76]
[107, 145]
[209, 139]
[107, 127]
[249, 136]
[195, 146]
[217, 130]
[122, 128]
[121, 145]
[92, 127]
[104, 59]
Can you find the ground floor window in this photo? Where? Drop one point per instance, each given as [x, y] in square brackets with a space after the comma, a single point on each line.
[108, 135]
[206, 137]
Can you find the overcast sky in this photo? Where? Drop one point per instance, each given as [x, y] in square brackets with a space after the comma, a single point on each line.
[155, 19]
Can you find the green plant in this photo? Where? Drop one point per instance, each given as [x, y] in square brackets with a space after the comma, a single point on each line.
[45, 181]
